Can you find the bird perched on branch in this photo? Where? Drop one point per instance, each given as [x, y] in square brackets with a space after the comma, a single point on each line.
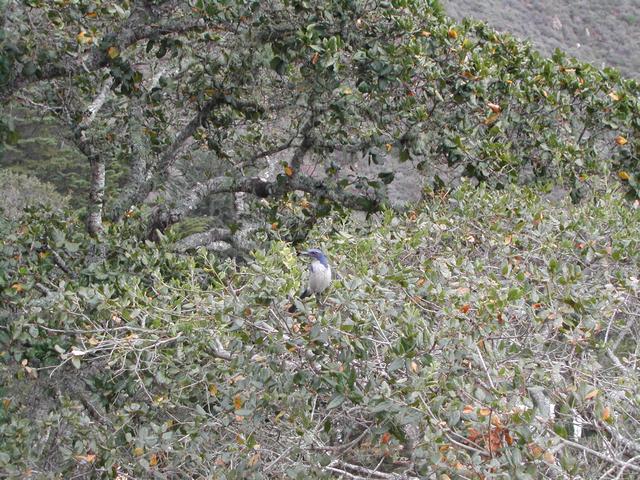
[319, 274]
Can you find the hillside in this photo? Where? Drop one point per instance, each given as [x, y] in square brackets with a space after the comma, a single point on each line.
[603, 33]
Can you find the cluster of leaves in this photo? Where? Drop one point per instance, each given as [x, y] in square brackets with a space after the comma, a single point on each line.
[602, 33]
[447, 335]
[256, 84]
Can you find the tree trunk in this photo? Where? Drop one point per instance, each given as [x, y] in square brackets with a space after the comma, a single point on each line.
[96, 195]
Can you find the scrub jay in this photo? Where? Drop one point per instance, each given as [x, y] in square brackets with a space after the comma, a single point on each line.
[319, 274]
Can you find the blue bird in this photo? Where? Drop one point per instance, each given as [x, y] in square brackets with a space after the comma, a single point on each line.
[319, 274]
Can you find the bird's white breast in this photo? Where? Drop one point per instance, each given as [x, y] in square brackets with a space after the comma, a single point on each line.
[319, 277]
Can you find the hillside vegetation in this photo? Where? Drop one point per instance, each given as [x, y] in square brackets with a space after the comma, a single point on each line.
[603, 33]
[488, 329]
[447, 336]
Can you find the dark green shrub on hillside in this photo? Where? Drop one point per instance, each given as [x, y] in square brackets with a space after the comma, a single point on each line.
[20, 192]
[447, 334]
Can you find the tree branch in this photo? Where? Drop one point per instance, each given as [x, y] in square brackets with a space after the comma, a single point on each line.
[97, 181]
[320, 189]
[170, 155]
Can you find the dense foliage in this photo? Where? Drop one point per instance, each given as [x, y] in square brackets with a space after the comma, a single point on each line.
[20, 192]
[201, 99]
[489, 330]
[601, 33]
[446, 338]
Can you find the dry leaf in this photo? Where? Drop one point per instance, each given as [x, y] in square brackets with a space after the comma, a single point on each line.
[315, 58]
[88, 458]
[255, 458]
[491, 119]
[495, 108]
[620, 140]
[507, 437]
[536, 450]
[473, 434]
[592, 394]
[614, 96]
[113, 52]
[84, 38]
[495, 439]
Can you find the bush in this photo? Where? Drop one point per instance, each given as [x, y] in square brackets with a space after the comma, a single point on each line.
[20, 192]
[447, 335]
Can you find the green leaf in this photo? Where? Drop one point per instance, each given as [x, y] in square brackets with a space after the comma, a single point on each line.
[336, 402]
[386, 177]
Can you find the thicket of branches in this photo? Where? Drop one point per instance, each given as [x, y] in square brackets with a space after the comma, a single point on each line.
[487, 335]
[489, 331]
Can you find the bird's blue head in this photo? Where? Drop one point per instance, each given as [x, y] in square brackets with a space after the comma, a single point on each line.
[317, 254]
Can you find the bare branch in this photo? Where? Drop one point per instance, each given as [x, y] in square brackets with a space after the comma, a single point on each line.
[97, 104]
[97, 180]
[601, 456]
[170, 155]
[325, 189]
